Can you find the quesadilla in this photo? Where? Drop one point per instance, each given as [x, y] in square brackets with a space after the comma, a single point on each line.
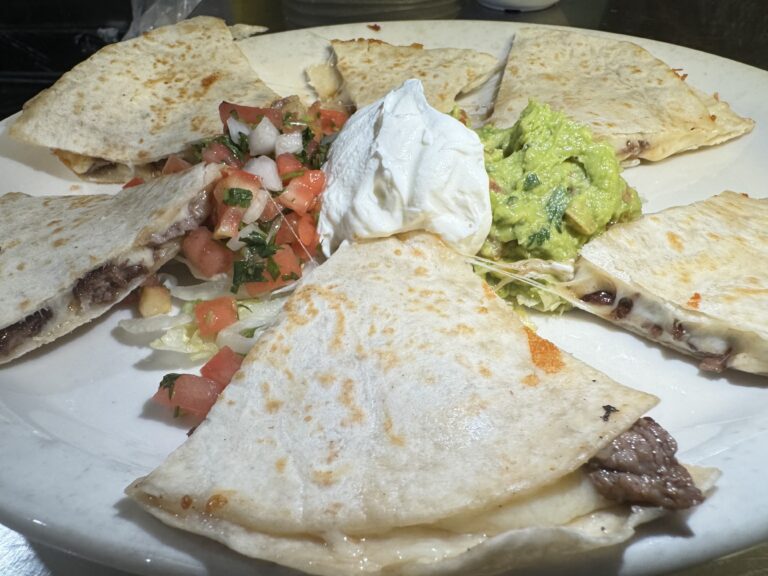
[366, 69]
[398, 418]
[693, 278]
[136, 102]
[65, 260]
[627, 97]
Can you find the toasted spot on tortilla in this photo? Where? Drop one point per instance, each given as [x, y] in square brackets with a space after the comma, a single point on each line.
[325, 379]
[387, 358]
[24, 304]
[280, 465]
[270, 403]
[544, 354]
[482, 310]
[694, 301]
[215, 503]
[322, 477]
[421, 271]
[60, 242]
[675, 241]
[197, 122]
[531, 380]
[20, 266]
[460, 329]
[347, 398]
[396, 439]
[186, 502]
[485, 372]
[333, 452]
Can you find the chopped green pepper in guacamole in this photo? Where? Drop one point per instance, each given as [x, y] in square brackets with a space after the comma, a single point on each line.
[552, 189]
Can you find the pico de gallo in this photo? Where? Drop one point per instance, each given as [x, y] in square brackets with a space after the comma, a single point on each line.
[261, 234]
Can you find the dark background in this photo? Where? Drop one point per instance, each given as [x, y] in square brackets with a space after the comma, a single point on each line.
[41, 39]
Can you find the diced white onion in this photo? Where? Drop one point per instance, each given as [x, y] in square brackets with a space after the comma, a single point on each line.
[258, 202]
[266, 169]
[289, 142]
[262, 138]
[235, 243]
[236, 128]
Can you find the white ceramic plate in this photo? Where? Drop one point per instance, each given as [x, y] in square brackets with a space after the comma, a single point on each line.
[75, 426]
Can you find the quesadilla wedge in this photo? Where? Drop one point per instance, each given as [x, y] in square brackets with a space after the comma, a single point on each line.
[65, 260]
[366, 69]
[627, 97]
[398, 418]
[136, 102]
[693, 278]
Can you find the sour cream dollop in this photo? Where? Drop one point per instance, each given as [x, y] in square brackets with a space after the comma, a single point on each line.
[399, 165]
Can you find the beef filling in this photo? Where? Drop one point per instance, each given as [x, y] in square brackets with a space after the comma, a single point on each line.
[639, 467]
[13, 335]
[104, 285]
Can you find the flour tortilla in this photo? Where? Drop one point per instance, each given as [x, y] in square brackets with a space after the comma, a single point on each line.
[629, 98]
[366, 69]
[395, 402]
[49, 243]
[136, 102]
[697, 276]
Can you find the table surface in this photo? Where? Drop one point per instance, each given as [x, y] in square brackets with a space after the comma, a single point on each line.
[734, 29]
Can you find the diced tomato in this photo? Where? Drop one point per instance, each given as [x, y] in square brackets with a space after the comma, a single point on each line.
[207, 255]
[222, 366]
[190, 393]
[289, 269]
[227, 217]
[271, 210]
[300, 232]
[235, 178]
[301, 192]
[175, 164]
[288, 164]
[136, 181]
[228, 220]
[217, 153]
[214, 315]
[308, 249]
[331, 121]
[250, 114]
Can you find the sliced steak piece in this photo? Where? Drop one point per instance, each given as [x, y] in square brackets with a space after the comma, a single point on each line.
[639, 467]
[104, 285]
[13, 335]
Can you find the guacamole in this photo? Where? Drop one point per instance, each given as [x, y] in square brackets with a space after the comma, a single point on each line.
[552, 189]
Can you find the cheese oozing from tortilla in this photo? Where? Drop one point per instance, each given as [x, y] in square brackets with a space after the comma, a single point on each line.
[659, 278]
[400, 165]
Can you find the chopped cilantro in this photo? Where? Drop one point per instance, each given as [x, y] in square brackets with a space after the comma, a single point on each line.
[176, 411]
[531, 181]
[510, 200]
[242, 142]
[538, 238]
[273, 268]
[258, 243]
[556, 205]
[291, 276]
[246, 271]
[237, 197]
[248, 332]
[168, 382]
